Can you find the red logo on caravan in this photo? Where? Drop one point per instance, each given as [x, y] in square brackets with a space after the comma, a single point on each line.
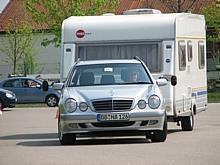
[80, 33]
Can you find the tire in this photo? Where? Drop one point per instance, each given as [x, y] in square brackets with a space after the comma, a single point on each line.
[194, 110]
[66, 139]
[187, 122]
[1, 105]
[52, 101]
[159, 135]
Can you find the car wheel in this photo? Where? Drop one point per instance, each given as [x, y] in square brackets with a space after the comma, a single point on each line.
[52, 101]
[159, 135]
[187, 122]
[66, 139]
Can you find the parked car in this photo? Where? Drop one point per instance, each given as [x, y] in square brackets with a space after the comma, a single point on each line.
[29, 90]
[111, 96]
[7, 99]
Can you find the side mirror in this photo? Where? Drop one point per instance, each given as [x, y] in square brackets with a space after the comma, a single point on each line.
[45, 86]
[58, 86]
[161, 81]
[173, 80]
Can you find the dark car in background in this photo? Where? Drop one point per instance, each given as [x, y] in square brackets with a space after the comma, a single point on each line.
[7, 99]
[29, 90]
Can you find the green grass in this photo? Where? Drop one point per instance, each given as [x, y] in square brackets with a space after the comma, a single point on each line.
[214, 97]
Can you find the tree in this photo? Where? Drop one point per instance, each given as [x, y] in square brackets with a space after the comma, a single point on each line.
[178, 6]
[17, 47]
[52, 13]
[212, 16]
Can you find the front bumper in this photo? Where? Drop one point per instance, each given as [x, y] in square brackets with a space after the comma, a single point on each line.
[9, 102]
[87, 122]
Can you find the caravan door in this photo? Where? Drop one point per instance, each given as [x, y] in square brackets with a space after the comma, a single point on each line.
[68, 59]
[167, 72]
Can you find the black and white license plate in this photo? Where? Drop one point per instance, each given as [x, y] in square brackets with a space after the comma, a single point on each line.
[113, 117]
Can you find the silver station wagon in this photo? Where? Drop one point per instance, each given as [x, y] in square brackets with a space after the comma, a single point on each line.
[111, 96]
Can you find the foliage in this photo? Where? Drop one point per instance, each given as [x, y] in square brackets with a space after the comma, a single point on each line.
[17, 47]
[212, 16]
[53, 12]
[178, 6]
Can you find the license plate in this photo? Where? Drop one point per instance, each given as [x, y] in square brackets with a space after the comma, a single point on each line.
[113, 117]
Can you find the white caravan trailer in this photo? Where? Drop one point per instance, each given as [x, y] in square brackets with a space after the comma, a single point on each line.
[173, 46]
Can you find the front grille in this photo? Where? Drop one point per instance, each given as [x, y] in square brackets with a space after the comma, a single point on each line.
[114, 124]
[112, 105]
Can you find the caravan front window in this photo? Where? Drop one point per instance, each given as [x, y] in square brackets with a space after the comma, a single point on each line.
[182, 55]
[189, 50]
[150, 53]
[201, 53]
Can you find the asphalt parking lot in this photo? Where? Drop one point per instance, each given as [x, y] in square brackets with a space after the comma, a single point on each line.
[29, 136]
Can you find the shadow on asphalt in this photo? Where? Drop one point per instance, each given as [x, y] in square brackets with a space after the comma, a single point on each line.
[29, 136]
[51, 139]
[81, 142]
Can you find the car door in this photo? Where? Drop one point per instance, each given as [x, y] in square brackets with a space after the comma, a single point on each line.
[15, 86]
[33, 90]
[37, 91]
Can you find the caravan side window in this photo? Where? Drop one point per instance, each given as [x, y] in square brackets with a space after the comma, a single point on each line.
[182, 55]
[189, 50]
[201, 54]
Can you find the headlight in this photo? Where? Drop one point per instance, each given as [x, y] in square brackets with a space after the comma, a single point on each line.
[142, 104]
[154, 101]
[70, 105]
[83, 106]
[9, 95]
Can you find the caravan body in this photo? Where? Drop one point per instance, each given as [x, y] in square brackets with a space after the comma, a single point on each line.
[171, 45]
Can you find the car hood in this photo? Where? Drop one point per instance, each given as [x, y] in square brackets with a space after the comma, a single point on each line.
[111, 91]
[4, 91]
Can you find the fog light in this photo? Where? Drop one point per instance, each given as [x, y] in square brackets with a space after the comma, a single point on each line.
[144, 123]
[73, 125]
[153, 122]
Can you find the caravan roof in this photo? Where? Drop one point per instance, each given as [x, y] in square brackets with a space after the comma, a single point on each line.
[135, 27]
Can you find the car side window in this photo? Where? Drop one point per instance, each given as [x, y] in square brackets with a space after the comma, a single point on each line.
[33, 84]
[25, 83]
[12, 83]
[29, 83]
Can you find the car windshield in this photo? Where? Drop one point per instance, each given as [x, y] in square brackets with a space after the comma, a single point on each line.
[108, 74]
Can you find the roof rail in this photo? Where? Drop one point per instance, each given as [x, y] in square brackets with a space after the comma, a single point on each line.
[78, 60]
[137, 58]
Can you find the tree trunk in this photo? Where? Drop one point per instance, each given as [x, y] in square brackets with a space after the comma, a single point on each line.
[15, 55]
[178, 6]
